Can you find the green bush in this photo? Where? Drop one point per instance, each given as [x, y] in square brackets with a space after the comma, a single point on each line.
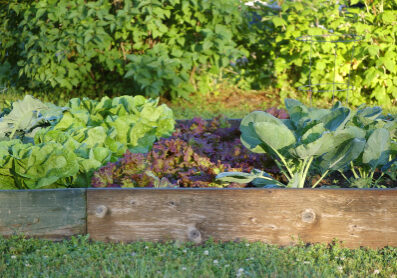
[276, 53]
[105, 47]
[174, 47]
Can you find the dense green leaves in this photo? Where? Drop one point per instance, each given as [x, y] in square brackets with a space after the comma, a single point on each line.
[26, 117]
[278, 55]
[71, 142]
[174, 47]
[319, 141]
[96, 47]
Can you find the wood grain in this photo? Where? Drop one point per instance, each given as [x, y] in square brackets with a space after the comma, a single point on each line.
[52, 214]
[277, 216]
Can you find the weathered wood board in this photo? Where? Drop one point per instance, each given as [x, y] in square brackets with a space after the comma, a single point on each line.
[52, 214]
[277, 216]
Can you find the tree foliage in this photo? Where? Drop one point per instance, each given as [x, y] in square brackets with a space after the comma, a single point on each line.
[175, 47]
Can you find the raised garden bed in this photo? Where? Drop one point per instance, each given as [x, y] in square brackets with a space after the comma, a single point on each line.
[210, 159]
[358, 217]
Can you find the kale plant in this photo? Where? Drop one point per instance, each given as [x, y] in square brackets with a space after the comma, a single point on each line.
[316, 141]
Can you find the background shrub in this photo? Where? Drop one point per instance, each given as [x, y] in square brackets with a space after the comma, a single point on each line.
[105, 47]
[277, 56]
[175, 47]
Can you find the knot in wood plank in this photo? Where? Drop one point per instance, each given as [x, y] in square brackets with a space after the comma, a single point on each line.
[194, 235]
[101, 211]
[308, 216]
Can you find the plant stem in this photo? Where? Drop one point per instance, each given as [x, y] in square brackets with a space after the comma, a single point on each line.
[282, 170]
[343, 175]
[285, 163]
[305, 171]
[325, 173]
[372, 175]
[354, 172]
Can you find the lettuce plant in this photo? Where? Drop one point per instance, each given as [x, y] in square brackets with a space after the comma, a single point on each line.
[26, 117]
[28, 166]
[196, 152]
[45, 146]
[314, 141]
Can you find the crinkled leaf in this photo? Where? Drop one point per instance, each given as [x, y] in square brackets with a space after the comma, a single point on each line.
[95, 136]
[25, 115]
[46, 164]
[72, 119]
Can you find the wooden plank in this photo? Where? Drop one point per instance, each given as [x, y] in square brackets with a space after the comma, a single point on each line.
[277, 216]
[52, 214]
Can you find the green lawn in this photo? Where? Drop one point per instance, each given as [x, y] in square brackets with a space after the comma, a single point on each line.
[79, 257]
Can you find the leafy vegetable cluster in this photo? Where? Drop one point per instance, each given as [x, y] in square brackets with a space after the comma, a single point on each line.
[197, 151]
[320, 141]
[44, 146]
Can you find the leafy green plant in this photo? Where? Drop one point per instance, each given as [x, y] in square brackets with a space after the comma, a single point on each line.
[380, 147]
[69, 143]
[317, 141]
[26, 117]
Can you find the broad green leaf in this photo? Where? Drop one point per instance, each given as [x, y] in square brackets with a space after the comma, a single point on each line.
[377, 149]
[239, 177]
[275, 136]
[249, 137]
[278, 21]
[257, 177]
[336, 119]
[366, 115]
[340, 157]
[313, 133]
[291, 103]
[25, 116]
[327, 142]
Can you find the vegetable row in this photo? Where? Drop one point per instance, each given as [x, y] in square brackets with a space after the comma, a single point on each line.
[132, 142]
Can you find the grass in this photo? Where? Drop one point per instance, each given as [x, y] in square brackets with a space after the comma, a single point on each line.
[79, 257]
